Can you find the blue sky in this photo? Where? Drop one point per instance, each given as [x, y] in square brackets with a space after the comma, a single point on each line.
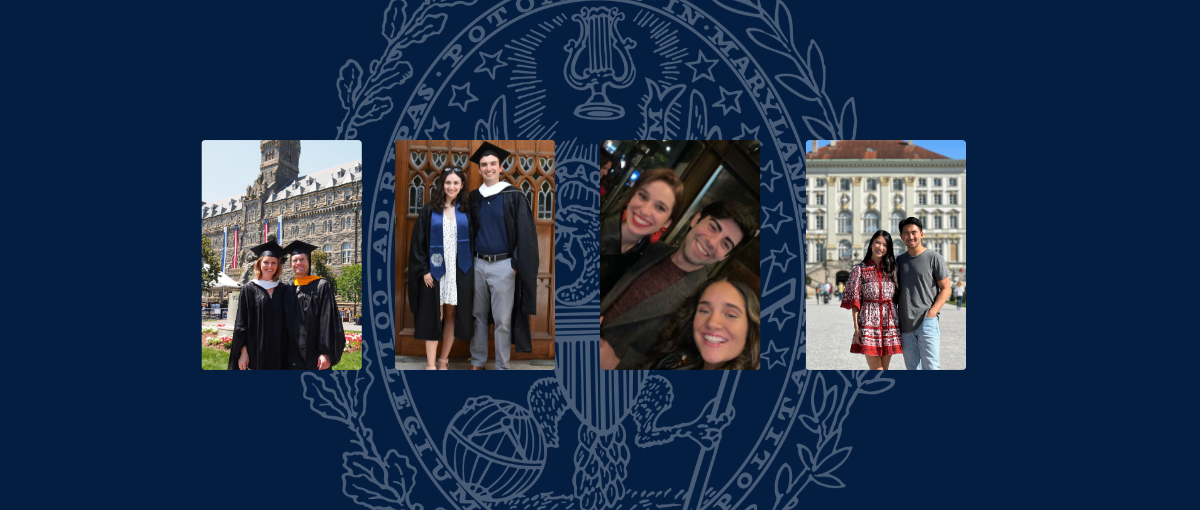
[953, 149]
[228, 166]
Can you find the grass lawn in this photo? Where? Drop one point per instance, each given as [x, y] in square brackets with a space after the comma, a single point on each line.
[216, 359]
[213, 359]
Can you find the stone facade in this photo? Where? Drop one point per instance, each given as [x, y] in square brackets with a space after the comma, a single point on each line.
[322, 208]
[855, 187]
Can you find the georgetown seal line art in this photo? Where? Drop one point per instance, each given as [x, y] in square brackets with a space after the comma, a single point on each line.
[513, 438]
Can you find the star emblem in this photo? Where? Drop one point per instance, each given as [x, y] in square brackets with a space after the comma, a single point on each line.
[724, 104]
[774, 355]
[775, 254]
[779, 316]
[702, 62]
[445, 131]
[748, 134]
[454, 96]
[770, 169]
[491, 69]
[783, 218]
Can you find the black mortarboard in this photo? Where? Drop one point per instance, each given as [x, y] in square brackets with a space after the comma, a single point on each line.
[268, 249]
[298, 247]
[489, 149]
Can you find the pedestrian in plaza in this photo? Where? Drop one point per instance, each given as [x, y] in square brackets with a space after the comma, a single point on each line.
[441, 282]
[317, 340]
[924, 283]
[260, 334]
[505, 245]
[869, 296]
[842, 289]
[960, 289]
[716, 329]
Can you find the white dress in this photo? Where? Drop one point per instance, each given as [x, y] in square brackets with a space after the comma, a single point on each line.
[449, 283]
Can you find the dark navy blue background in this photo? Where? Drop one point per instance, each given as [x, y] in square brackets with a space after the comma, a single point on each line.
[162, 431]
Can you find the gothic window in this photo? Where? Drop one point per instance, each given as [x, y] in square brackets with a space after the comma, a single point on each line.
[416, 195]
[329, 199]
[844, 250]
[844, 225]
[897, 217]
[845, 184]
[545, 202]
[527, 190]
[347, 194]
[937, 198]
[346, 253]
[921, 198]
[897, 184]
[870, 222]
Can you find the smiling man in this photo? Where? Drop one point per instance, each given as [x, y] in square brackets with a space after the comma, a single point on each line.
[924, 286]
[642, 301]
[505, 247]
[317, 338]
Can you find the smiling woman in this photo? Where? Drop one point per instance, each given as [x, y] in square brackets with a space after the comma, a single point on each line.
[716, 329]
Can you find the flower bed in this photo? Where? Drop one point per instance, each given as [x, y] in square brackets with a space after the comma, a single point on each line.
[353, 342]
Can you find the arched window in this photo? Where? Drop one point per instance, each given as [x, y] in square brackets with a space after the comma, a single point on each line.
[346, 253]
[545, 202]
[527, 190]
[328, 251]
[844, 224]
[897, 217]
[416, 195]
[870, 222]
[844, 250]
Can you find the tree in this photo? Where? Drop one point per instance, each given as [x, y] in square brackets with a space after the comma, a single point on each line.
[350, 284]
[320, 267]
[208, 275]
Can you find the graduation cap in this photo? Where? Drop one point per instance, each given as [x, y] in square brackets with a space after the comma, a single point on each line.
[489, 149]
[299, 247]
[268, 249]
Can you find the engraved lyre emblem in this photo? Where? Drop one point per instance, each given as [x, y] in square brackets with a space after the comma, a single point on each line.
[598, 59]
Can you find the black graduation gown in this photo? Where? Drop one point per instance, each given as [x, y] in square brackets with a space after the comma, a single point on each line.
[613, 263]
[523, 250]
[261, 328]
[315, 328]
[423, 301]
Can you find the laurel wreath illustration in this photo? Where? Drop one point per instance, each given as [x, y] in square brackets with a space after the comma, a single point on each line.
[808, 83]
[361, 98]
[379, 481]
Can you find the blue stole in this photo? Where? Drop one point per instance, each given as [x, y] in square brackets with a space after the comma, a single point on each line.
[437, 268]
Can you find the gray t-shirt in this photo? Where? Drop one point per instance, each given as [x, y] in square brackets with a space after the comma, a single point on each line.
[918, 277]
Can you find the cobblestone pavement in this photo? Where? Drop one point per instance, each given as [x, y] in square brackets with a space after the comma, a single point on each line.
[830, 331]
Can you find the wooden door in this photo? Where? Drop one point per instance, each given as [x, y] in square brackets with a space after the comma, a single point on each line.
[531, 170]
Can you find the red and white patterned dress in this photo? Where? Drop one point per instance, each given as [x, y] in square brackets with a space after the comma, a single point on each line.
[872, 292]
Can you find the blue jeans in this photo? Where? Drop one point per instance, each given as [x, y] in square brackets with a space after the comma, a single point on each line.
[922, 345]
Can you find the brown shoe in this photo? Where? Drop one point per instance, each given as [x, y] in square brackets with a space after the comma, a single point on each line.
[473, 367]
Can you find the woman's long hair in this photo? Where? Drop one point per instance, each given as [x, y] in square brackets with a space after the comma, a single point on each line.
[679, 335]
[258, 268]
[888, 265]
[437, 196]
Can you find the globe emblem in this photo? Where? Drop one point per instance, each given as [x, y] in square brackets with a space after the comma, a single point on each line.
[494, 448]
